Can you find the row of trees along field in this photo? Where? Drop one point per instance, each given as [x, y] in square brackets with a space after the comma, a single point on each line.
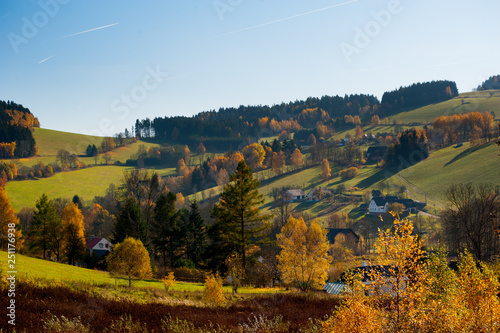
[16, 127]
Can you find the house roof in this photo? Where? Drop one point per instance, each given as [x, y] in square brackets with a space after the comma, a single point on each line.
[296, 192]
[367, 272]
[333, 232]
[379, 201]
[335, 288]
[321, 189]
[379, 150]
[92, 241]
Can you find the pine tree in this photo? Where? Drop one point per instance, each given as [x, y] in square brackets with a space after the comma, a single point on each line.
[196, 235]
[45, 219]
[237, 214]
[128, 222]
[167, 234]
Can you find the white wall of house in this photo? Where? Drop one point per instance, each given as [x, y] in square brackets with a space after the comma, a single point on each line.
[373, 208]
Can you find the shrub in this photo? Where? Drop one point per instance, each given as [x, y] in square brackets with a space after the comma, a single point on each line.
[169, 281]
[126, 324]
[213, 293]
[263, 324]
[64, 325]
[349, 173]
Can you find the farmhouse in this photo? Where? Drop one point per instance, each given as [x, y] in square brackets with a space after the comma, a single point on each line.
[387, 275]
[98, 246]
[317, 193]
[379, 205]
[376, 153]
[351, 239]
[294, 195]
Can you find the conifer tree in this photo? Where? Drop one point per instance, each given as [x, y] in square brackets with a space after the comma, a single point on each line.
[237, 214]
[196, 235]
[45, 219]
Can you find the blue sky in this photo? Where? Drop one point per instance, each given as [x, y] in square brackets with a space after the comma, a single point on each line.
[96, 66]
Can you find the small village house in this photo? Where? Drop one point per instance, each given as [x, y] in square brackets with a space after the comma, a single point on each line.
[98, 246]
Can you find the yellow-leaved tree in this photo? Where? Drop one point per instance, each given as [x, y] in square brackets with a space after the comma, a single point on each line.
[326, 172]
[73, 233]
[254, 155]
[131, 259]
[410, 294]
[304, 259]
[8, 223]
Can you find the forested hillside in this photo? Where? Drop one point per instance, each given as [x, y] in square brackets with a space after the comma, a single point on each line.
[226, 128]
[16, 125]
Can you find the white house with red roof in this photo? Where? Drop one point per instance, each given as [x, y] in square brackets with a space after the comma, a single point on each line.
[98, 246]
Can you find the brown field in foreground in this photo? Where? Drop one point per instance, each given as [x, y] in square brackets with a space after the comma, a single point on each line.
[35, 304]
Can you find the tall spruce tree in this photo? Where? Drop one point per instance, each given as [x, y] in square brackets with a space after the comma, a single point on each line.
[45, 222]
[239, 222]
[167, 232]
[196, 238]
[128, 222]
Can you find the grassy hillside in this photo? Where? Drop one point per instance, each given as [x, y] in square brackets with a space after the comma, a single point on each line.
[467, 102]
[28, 267]
[86, 183]
[450, 166]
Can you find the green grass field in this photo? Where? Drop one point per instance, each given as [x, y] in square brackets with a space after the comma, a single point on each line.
[450, 166]
[34, 268]
[472, 101]
[49, 142]
[86, 183]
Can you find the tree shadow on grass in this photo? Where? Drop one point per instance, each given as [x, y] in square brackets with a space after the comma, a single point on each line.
[373, 179]
[467, 152]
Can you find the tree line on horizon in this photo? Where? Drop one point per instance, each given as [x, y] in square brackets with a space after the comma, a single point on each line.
[233, 124]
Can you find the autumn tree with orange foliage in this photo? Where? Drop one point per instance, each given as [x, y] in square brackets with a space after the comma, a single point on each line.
[297, 158]
[410, 294]
[278, 162]
[304, 260]
[460, 127]
[358, 132]
[9, 224]
[74, 230]
[326, 172]
[254, 155]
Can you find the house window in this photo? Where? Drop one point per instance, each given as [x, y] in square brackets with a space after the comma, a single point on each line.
[107, 245]
[101, 246]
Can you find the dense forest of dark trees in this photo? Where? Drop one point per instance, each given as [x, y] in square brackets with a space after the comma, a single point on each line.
[227, 127]
[492, 83]
[16, 125]
[418, 94]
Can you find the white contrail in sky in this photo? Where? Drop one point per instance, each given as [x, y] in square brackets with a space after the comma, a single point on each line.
[285, 19]
[83, 32]
[45, 59]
